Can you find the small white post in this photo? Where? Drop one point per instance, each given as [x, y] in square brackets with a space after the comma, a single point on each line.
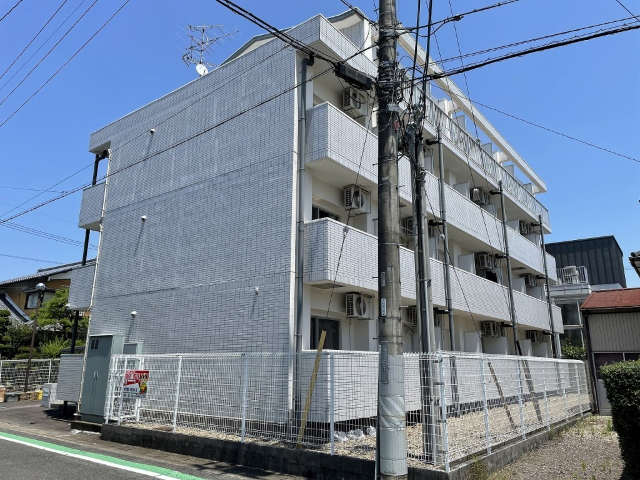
[520, 394]
[177, 395]
[49, 376]
[443, 406]
[245, 384]
[138, 401]
[578, 387]
[487, 433]
[564, 393]
[0, 372]
[331, 401]
[544, 392]
[121, 395]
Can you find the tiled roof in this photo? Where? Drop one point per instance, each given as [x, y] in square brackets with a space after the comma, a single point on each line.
[16, 312]
[44, 272]
[624, 298]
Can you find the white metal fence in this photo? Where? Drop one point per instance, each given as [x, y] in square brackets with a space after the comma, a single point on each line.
[477, 402]
[13, 373]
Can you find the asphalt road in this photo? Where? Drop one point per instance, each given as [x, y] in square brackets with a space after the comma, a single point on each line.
[20, 462]
[28, 422]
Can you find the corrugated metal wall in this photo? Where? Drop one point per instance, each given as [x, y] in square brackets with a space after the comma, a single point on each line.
[615, 332]
[602, 256]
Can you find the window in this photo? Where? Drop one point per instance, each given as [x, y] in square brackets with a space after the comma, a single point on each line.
[332, 327]
[32, 299]
[317, 212]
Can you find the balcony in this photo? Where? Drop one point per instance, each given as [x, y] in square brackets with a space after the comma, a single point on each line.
[358, 267]
[459, 140]
[81, 287]
[573, 283]
[91, 207]
[333, 135]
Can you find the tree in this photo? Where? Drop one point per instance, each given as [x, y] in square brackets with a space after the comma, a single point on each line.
[55, 320]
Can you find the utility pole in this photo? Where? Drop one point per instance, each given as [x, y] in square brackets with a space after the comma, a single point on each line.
[392, 426]
[40, 289]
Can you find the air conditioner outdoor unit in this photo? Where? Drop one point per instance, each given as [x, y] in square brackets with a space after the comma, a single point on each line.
[479, 196]
[535, 336]
[530, 280]
[484, 261]
[524, 227]
[357, 199]
[407, 227]
[491, 329]
[571, 271]
[354, 102]
[359, 305]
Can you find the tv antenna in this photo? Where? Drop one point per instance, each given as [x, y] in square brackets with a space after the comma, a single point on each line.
[203, 38]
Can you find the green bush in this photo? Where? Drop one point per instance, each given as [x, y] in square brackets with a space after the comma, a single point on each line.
[622, 382]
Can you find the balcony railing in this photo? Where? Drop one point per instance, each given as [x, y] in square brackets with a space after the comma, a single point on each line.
[358, 267]
[573, 276]
[472, 149]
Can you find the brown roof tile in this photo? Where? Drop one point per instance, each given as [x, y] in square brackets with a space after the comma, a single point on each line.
[612, 299]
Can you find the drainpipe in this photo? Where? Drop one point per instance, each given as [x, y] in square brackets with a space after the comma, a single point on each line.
[512, 305]
[302, 149]
[554, 339]
[592, 364]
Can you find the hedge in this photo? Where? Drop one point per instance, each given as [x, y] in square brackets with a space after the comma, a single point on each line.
[622, 382]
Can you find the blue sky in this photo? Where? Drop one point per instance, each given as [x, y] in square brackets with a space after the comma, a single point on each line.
[589, 90]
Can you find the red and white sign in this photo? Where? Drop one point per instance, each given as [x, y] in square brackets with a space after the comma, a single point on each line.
[135, 384]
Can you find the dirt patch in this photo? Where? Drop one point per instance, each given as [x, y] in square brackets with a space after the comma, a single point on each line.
[589, 450]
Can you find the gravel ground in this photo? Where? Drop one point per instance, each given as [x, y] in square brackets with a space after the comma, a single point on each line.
[589, 450]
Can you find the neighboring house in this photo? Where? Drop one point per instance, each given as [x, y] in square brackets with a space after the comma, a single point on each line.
[634, 260]
[612, 326]
[584, 266]
[198, 215]
[19, 295]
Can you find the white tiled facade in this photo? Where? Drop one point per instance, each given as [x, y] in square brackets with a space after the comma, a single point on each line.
[198, 213]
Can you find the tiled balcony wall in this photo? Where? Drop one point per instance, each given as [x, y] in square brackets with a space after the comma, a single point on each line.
[334, 135]
[81, 287]
[358, 267]
[91, 207]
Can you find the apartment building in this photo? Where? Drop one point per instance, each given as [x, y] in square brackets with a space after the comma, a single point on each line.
[197, 217]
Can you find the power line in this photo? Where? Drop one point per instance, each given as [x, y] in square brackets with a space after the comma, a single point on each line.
[459, 16]
[558, 133]
[523, 42]
[65, 63]
[49, 52]
[522, 53]
[27, 258]
[30, 189]
[33, 39]
[42, 45]
[630, 12]
[46, 235]
[10, 10]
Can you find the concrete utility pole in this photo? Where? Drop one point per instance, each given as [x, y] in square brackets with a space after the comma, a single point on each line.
[392, 415]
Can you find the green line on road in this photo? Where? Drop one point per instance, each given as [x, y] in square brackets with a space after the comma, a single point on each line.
[105, 458]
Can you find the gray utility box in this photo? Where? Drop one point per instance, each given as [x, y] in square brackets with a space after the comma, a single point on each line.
[96, 374]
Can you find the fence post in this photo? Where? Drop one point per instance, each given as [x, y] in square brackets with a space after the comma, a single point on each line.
[546, 401]
[121, 395]
[245, 385]
[578, 387]
[49, 377]
[487, 433]
[331, 401]
[443, 406]
[175, 407]
[564, 395]
[520, 395]
[0, 372]
[138, 401]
